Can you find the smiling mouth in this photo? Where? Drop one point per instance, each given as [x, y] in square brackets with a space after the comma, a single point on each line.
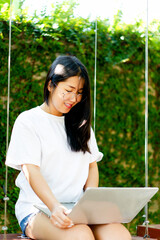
[68, 105]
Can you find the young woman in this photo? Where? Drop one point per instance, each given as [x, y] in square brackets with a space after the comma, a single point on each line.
[55, 149]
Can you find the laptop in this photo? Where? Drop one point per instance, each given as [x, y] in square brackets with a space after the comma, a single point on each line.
[107, 205]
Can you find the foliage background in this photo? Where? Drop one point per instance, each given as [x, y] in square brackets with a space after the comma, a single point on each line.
[120, 92]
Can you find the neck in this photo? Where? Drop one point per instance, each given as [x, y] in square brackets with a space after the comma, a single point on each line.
[46, 108]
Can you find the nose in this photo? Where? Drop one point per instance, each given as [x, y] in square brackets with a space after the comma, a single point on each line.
[74, 97]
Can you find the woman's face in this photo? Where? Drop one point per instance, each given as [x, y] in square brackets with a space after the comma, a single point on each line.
[65, 95]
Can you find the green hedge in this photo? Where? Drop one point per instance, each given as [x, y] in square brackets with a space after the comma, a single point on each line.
[120, 93]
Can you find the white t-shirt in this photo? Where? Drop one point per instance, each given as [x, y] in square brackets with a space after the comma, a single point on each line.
[40, 138]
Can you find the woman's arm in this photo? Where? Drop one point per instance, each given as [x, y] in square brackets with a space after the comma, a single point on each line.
[42, 190]
[93, 176]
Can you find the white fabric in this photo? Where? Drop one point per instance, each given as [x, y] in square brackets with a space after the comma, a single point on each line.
[40, 138]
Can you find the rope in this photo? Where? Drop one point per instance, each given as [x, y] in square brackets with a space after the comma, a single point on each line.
[4, 228]
[146, 119]
[95, 76]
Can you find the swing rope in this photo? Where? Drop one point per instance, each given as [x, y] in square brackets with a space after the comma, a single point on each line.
[4, 228]
[146, 118]
[95, 76]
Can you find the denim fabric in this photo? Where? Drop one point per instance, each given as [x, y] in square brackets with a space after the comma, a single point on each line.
[24, 223]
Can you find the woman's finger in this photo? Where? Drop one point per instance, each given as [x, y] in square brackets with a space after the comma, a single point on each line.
[61, 220]
[59, 223]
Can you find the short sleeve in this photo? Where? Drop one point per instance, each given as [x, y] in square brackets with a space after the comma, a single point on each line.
[96, 155]
[24, 147]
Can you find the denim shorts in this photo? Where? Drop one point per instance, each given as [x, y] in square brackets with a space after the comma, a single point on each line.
[24, 223]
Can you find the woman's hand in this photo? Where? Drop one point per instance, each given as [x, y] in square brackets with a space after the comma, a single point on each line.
[59, 217]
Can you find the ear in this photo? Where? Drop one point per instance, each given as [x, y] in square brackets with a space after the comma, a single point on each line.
[50, 86]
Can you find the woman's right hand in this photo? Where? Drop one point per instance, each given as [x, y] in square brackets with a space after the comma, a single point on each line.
[59, 217]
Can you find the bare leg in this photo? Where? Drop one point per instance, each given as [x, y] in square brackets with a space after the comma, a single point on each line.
[41, 228]
[114, 231]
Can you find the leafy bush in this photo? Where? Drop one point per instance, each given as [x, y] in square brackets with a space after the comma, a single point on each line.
[120, 93]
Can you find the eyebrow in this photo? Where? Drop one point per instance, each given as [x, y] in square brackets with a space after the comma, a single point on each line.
[74, 87]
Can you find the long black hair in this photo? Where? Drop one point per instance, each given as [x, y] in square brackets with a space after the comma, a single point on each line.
[78, 119]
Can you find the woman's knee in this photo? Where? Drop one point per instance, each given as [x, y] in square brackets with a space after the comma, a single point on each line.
[121, 231]
[83, 232]
[40, 227]
[113, 231]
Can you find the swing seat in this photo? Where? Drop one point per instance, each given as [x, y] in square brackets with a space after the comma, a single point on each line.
[12, 237]
[141, 238]
[153, 230]
[18, 237]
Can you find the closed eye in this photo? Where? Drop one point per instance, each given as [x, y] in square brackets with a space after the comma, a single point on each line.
[79, 93]
[67, 90]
